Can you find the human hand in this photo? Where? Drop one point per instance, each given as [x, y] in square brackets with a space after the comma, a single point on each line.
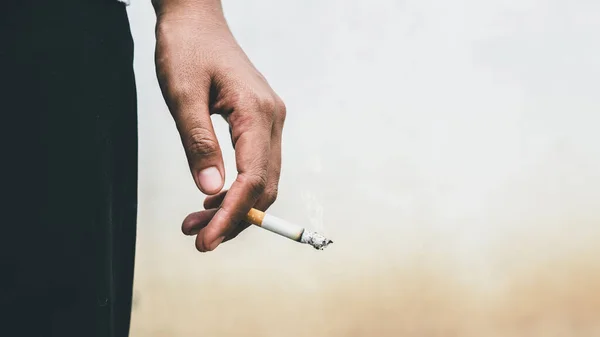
[203, 71]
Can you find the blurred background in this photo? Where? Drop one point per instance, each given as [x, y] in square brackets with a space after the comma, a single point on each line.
[449, 148]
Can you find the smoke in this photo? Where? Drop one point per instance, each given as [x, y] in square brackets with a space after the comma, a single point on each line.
[314, 211]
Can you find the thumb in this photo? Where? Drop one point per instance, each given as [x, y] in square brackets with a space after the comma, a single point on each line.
[202, 150]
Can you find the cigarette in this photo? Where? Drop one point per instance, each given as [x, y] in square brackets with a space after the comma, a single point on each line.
[287, 229]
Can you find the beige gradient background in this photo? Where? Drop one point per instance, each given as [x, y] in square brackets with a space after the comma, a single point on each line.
[450, 148]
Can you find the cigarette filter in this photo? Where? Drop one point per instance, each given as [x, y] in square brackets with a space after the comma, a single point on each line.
[287, 229]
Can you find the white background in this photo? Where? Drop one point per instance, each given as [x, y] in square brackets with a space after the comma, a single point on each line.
[450, 149]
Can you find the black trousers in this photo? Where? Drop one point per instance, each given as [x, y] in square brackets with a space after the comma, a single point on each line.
[68, 128]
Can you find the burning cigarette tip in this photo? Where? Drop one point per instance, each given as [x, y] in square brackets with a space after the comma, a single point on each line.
[316, 240]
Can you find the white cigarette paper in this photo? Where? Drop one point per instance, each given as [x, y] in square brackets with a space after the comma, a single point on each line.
[287, 229]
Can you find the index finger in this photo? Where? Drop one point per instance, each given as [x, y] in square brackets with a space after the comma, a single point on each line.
[252, 150]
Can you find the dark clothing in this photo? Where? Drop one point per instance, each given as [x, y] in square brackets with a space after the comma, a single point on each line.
[69, 156]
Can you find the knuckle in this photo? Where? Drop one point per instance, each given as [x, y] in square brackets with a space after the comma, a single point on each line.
[253, 112]
[256, 184]
[271, 195]
[182, 90]
[259, 102]
[267, 105]
[281, 110]
[201, 143]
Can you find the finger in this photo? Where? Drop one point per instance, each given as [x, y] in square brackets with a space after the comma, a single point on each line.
[274, 172]
[214, 201]
[274, 168]
[194, 222]
[270, 194]
[242, 226]
[252, 148]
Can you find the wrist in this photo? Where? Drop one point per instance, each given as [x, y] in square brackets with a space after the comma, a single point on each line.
[207, 14]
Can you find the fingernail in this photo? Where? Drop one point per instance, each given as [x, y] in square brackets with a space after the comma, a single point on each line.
[216, 243]
[210, 180]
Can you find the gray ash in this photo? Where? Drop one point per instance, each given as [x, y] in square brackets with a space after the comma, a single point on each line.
[316, 240]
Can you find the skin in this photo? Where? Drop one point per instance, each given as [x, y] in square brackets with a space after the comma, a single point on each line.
[203, 71]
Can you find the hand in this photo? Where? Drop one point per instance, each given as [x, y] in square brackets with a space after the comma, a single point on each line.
[203, 71]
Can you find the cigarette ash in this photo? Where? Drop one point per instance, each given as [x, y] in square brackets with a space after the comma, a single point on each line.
[316, 240]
